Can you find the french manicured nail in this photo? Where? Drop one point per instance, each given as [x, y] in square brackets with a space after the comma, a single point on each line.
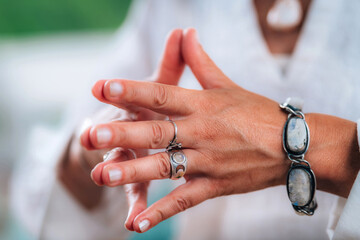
[115, 175]
[103, 135]
[115, 89]
[144, 225]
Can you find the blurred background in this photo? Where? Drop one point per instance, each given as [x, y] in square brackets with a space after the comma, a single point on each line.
[45, 47]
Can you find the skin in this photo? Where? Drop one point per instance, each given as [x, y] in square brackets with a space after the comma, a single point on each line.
[333, 141]
[238, 143]
[74, 169]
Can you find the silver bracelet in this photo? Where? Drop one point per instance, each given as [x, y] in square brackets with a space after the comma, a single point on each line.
[301, 182]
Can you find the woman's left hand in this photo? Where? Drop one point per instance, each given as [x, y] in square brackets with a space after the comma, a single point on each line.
[231, 137]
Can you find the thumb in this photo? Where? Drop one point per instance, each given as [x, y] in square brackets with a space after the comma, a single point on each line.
[204, 69]
[171, 65]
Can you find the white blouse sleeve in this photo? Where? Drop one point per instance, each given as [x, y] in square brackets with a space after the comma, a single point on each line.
[348, 226]
[40, 203]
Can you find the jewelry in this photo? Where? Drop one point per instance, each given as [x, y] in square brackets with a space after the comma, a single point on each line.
[178, 163]
[301, 181]
[285, 15]
[178, 160]
[173, 144]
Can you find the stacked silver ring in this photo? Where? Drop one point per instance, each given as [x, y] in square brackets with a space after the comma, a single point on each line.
[178, 160]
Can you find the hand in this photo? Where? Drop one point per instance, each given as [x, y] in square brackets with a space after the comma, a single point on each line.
[231, 137]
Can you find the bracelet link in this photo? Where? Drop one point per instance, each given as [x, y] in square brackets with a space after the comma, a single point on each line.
[301, 181]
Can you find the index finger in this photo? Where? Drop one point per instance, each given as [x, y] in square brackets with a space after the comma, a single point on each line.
[161, 98]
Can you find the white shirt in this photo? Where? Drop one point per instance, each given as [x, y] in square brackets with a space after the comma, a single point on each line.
[323, 70]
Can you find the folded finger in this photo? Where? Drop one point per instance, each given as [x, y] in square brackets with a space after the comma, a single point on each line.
[136, 194]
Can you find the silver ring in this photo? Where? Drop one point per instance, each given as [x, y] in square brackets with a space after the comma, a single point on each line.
[173, 144]
[178, 163]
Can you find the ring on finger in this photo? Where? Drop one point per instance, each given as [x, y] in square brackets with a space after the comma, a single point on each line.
[173, 144]
[178, 163]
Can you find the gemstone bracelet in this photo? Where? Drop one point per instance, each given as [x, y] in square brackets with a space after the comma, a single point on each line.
[301, 182]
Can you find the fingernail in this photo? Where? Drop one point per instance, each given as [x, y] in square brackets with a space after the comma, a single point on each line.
[114, 175]
[115, 89]
[144, 225]
[103, 135]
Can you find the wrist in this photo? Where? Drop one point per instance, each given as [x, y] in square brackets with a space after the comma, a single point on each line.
[333, 152]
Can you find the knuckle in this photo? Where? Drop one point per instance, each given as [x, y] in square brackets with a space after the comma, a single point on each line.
[160, 97]
[202, 100]
[206, 131]
[121, 134]
[131, 94]
[217, 190]
[131, 173]
[161, 214]
[163, 165]
[222, 187]
[183, 203]
[158, 133]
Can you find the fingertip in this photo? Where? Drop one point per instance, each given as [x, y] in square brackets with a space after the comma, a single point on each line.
[130, 220]
[191, 33]
[174, 40]
[85, 139]
[111, 175]
[113, 90]
[96, 174]
[93, 137]
[144, 225]
[135, 209]
[128, 225]
[175, 33]
[97, 90]
[189, 44]
[101, 136]
[141, 224]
